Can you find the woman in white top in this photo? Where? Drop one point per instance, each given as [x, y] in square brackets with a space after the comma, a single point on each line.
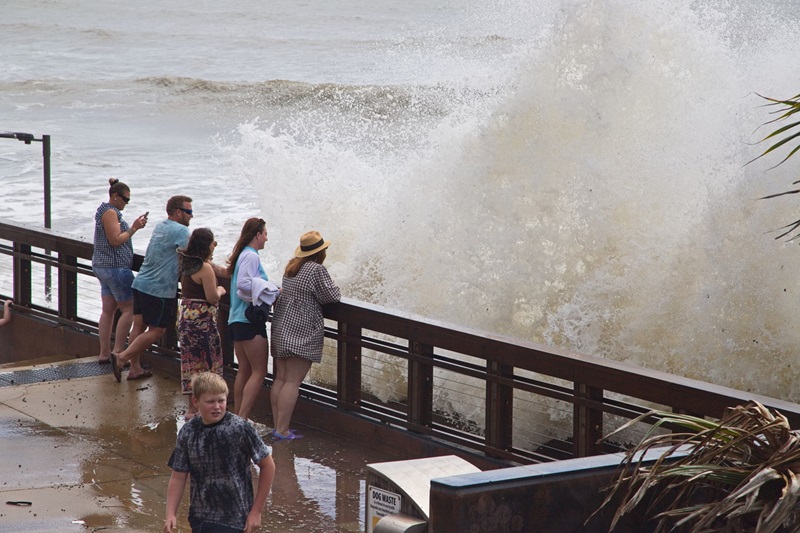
[249, 340]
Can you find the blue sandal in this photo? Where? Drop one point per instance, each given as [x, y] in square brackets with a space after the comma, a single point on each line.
[291, 436]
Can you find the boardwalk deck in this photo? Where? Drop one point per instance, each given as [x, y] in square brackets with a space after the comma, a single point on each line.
[90, 455]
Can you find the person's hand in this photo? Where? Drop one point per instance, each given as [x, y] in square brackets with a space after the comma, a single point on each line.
[253, 522]
[139, 223]
[169, 524]
[221, 291]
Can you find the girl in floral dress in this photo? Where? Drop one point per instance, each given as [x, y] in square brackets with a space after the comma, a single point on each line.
[201, 349]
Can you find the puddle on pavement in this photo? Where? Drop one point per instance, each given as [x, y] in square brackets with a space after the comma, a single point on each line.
[113, 477]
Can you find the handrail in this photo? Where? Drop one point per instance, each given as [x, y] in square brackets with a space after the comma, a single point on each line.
[596, 390]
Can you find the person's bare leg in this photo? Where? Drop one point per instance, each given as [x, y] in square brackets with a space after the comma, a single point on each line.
[257, 352]
[242, 374]
[137, 329]
[140, 341]
[123, 325]
[104, 325]
[278, 381]
[296, 371]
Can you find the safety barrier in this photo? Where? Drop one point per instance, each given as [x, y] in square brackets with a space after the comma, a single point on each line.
[504, 398]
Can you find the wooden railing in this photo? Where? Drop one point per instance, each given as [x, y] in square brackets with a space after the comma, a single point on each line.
[598, 392]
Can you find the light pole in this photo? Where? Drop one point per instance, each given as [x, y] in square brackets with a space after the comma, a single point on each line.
[28, 138]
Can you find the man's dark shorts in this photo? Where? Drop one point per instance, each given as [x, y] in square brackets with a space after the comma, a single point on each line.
[244, 331]
[156, 312]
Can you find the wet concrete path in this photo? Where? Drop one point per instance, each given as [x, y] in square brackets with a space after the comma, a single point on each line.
[90, 454]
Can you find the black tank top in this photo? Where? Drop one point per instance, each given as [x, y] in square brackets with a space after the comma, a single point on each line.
[191, 289]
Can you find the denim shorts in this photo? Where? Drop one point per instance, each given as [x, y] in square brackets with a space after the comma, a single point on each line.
[115, 282]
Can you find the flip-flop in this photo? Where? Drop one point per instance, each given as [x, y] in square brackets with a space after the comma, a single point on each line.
[104, 361]
[291, 436]
[115, 368]
[144, 375]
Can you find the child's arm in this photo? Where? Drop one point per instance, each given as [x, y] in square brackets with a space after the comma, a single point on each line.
[177, 482]
[266, 473]
[6, 313]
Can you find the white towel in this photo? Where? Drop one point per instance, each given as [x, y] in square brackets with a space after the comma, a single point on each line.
[263, 291]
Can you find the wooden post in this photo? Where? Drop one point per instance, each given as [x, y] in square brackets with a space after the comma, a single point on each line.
[348, 368]
[420, 385]
[499, 406]
[67, 286]
[23, 291]
[587, 422]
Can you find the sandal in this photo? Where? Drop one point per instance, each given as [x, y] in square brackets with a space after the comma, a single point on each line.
[115, 368]
[144, 375]
[291, 436]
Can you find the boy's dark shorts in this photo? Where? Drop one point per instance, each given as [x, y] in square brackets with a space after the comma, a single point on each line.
[200, 526]
[156, 312]
[244, 331]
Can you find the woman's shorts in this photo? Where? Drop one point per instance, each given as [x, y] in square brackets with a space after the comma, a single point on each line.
[244, 331]
[115, 282]
[156, 312]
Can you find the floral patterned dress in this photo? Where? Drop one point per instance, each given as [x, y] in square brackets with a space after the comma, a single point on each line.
[198, 336]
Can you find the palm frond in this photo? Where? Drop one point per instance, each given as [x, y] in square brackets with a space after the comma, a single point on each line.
[735, 474]
[785, 109]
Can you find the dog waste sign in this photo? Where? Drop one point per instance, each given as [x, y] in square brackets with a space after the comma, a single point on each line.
[380, 503]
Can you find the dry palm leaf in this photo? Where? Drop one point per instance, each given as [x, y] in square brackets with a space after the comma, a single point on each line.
[737, 474]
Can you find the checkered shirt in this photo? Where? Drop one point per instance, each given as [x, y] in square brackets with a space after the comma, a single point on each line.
[297, 324]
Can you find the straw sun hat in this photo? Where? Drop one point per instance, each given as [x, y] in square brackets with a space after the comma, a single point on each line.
[310, 243]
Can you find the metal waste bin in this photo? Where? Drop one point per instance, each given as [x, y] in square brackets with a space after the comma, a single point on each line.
[397, 523]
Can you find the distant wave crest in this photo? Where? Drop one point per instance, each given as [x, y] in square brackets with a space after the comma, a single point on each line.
[380, 99]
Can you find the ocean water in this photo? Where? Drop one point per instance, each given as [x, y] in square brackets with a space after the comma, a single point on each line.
[570, 172]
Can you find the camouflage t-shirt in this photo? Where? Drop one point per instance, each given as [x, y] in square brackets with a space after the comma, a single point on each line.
[218, 459]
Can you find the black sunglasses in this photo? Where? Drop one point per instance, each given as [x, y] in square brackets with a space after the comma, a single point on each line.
[124, 198]
[187, 211]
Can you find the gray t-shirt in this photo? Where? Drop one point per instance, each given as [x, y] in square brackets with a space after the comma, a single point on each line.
[218, 459]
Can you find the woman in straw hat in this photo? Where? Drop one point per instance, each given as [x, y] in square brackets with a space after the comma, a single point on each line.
[298, 326]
